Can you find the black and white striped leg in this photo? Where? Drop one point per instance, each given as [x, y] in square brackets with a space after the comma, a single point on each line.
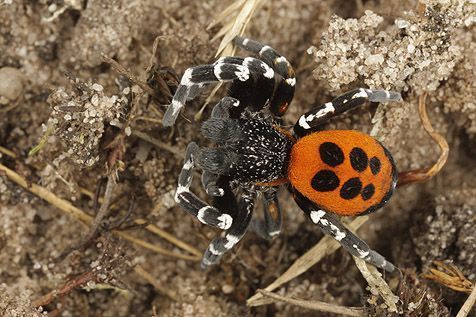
[223, 70]
[191, 203]
[270, 228]
[312, 120]
[219, 246]
[284, 91]
[349, 241]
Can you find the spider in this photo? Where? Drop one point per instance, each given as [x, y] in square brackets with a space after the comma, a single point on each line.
[330, 173]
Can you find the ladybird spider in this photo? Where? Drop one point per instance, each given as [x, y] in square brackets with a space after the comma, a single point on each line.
[330, 173]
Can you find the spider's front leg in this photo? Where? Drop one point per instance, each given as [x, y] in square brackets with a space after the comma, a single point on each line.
[333, 227]
[313, 120]
[224, 70]
[190, 202]
[221, 245]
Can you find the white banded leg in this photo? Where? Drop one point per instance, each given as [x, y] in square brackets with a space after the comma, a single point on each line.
[191, 203]
[349, 241]
[222, 108]
[270, 56]
[232, 236]
[223, 70]
[311, 120]
[270, 228]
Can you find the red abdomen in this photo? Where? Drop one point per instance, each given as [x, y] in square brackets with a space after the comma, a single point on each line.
[343, 171]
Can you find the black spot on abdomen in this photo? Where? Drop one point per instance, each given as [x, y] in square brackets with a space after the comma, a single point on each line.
[331, 154]
[375, 165]
[358, 159]
[351, 188]
[325, 181]
[368, 192]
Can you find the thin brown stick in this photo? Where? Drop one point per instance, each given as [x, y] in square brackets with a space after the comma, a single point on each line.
[327, 245]
[7, 152]
[68, 208]
[126, 73]
[424, 174]
[104, 209]
[315, 305]
[68, 287]
[156, 230]
[468, 304]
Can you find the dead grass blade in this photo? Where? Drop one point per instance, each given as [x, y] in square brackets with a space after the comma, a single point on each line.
[377, 284]
[424, 174]
[315, 305]
[327, 245]
[468, 304]
[68, 208]
[237, 17]
[449, 275]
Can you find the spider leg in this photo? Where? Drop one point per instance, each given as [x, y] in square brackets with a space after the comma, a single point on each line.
[221, 245]
[312, 120]
[284, 91]
[333, 227]
[273, 218]
[223, 70]
[191, 203]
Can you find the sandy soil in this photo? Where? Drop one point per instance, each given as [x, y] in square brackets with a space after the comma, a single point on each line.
[70, 120]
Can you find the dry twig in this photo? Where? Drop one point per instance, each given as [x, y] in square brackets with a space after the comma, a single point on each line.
[424, 174]
[68, 208]
[316, 305]
[156, 230]
[377, 284]
[450, 276]
[468, 304]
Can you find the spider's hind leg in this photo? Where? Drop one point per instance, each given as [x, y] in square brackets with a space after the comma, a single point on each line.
[333, 227]
[190, 202]
[273, 218]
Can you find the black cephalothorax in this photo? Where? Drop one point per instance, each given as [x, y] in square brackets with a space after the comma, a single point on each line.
[250, 150]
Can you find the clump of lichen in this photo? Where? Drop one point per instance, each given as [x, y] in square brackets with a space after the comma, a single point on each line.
[79, 120]
[416, 53]
[446, 232]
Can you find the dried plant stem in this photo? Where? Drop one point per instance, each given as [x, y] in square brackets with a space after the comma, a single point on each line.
[156, 230]
[104, 209]
[7, 152]
[468, 304]
[316, 305]
[377, 283]
[126, 73]
[327, 245]
[83, 217]
[68, 287]
[424, 174]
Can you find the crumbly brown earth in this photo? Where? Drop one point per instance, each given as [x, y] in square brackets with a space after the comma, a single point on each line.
[59, 97]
